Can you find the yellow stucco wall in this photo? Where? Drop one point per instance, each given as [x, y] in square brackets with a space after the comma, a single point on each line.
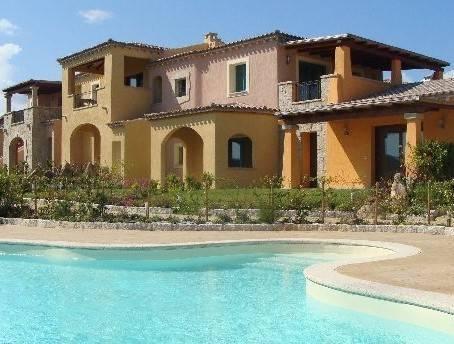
[137, 149]
[115, 101]
[350, 158]
[215, 129]
[263, 130]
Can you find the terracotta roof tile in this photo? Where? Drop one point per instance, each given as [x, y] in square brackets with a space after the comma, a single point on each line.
[110, 42]
[402, 94]
[367, 41]
[281, 36]
[232, 107]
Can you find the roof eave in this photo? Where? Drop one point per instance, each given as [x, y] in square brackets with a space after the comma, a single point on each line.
[352, 38]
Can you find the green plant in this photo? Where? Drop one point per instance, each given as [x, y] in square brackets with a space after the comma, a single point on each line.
[242, 216]
[207, 183]
[12, 191]
[192, 183]
[298, 202]
[223, 218]
[433, 160]
[270, 204]
[173, 183]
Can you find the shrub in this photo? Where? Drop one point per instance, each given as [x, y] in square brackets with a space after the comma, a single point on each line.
[434, 160]
[12, 191]
[223, 218]
[298, 202]
[173, 183]
[192, 183]
[242, 216]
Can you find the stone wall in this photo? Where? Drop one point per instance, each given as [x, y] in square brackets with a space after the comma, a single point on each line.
[321, 129]
[163, 226]
[287, 96]
[34, 130]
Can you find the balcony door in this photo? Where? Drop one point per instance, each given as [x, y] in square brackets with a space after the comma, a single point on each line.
[389, 151]
[309, 80]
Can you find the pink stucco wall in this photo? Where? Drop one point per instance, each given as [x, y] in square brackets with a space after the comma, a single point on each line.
[208, 77]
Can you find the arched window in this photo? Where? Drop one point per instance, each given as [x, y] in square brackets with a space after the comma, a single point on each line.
[157, 89]
[240, 152]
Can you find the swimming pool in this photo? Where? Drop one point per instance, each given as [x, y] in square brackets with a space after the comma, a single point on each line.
[239, 293]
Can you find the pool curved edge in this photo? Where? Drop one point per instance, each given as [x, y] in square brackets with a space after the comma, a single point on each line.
[423, 308]
[433, 310]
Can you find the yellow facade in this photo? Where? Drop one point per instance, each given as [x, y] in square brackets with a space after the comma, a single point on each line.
[114, 100]
[105, 119]
[350, 158]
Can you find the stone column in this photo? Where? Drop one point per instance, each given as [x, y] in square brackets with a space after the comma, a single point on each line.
[414, 136]
[34, 90]
[8, 97]
[438, 74]
[290, 161]
[286, 95]
[396, 72]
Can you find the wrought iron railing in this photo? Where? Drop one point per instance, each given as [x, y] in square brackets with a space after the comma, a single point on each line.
[309, 90]
[17, 116]
[85, 99]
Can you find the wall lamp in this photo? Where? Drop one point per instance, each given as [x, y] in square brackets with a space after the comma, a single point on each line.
[346, 129]
[441, 123]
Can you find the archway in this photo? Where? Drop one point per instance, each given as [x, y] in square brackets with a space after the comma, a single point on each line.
[16, 152]
[85, 145]
[184, 153]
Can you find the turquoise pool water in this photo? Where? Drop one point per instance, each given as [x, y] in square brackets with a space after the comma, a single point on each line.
[223, 294]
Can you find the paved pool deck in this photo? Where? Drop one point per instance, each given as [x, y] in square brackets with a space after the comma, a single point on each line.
[431, 270]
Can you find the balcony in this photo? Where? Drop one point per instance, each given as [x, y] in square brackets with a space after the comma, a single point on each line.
[17, 117]
[85, 99]
[294, 96]
[311, 90]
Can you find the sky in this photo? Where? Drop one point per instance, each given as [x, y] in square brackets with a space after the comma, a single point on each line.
[33, 34]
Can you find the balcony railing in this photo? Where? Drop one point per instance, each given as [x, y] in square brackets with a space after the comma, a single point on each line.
[309, 90]
[85, 99]
[17, 117]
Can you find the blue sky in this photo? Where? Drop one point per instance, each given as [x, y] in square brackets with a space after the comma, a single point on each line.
[33, 34]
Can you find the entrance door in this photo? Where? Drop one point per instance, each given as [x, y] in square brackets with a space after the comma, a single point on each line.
[389, 151]
[309, 80]
[313, 160]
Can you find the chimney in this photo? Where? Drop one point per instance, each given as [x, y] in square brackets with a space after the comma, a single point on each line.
[212, 39]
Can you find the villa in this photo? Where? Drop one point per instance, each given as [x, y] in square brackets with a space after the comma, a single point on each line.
[275, 104]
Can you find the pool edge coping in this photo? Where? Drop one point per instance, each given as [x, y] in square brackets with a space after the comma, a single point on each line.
[322, 274]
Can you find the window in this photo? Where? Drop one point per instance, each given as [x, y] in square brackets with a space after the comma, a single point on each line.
[238, 77]
[157, 90]
[240, 152]
[94, 92]
[135, 80]
[178, 155]
[180, 87]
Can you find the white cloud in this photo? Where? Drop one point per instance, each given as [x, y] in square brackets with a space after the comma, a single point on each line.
[7, 52]
[406, 78]
[95, 15]
[7, 27]
[449, 74]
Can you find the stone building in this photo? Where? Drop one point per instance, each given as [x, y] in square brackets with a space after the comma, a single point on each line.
[274, 104]
[32, 134]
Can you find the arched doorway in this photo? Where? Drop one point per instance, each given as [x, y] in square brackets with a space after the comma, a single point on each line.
[85, 145]
[16, 152]
[184, 153]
